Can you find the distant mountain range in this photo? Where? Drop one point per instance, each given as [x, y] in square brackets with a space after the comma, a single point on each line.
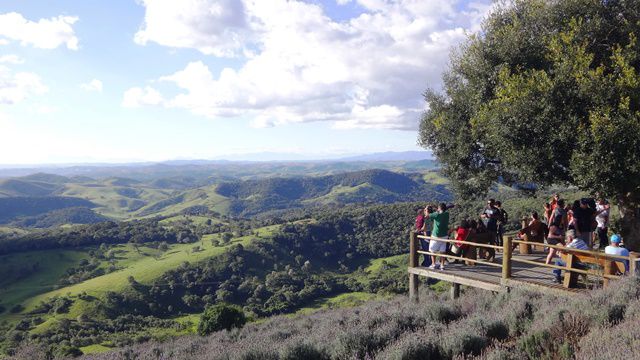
[249, 157]
[392, 156]
[235, 166]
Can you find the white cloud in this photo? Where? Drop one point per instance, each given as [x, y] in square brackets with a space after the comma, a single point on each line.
[93, 85]
[136, 97]
[213, 27]
[11, 59]
[45, 33]
[16, 87]
[301, 66]
[46, 109]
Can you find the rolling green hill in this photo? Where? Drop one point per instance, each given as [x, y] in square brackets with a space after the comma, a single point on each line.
[122, 198]
[60, 217]
[369, 186]
[13, 207]
[29, 287]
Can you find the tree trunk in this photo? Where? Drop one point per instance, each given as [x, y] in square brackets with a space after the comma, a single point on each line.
[629, 210]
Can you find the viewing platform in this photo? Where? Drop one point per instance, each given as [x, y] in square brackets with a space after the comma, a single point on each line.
[523, 268]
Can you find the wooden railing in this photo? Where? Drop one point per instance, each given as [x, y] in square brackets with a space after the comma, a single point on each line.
[508, 258]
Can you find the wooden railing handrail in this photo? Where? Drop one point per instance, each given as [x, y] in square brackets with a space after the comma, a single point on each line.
[460, 242]
[460, 258]
[552, 266]
[595, 254]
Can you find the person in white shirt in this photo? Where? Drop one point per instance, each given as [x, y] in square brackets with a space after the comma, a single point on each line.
[602, 209]
[615, 249]
[574, 243]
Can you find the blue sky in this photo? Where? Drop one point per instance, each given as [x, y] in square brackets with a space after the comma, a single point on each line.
[126, 80]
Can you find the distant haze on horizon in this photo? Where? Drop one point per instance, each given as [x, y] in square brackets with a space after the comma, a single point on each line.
[152, 80]
[258, 157]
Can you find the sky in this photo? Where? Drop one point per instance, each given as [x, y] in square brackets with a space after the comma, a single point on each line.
[152, 80]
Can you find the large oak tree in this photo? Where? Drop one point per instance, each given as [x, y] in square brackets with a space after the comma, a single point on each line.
[547, 93]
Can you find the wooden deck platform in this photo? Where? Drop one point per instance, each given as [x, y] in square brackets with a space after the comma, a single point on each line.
[490, 278]
[522, 268]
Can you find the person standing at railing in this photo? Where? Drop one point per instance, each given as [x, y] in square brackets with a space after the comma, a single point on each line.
[440, 230]
[573, 242]
[616, 249]
[554, 238]
[584, 216]
[462, 233]
[602, 209]
[547, 213]
[559, 216]
[491, 215]
[503, 219]
[534, 231]
[422, 226]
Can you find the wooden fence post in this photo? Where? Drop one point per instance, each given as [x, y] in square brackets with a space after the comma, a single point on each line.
[413, 263]
[633, 264]
[455, 291]
[506, 258]
[524, 248]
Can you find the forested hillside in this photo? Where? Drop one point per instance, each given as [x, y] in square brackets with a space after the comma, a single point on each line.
[27, 201]
[370, 186]
[142, 277]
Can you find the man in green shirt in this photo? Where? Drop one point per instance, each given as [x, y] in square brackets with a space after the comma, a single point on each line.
[440, 230]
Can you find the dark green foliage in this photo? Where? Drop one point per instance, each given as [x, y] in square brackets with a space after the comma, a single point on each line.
[13, 207]
[74, 215]
[67, 351]
[221, 317]
[137, 231]
[548, 92]
[252, 197]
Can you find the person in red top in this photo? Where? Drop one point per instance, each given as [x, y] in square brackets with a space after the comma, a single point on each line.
[420, 221]
[462, 233]
[554, 201]
[421, 229]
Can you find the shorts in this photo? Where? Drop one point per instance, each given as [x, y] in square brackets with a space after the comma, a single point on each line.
[436, 246]
[554, 241]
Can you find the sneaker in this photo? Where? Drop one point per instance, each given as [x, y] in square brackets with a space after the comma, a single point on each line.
[557, 280]
[442, 268]
[432, 267]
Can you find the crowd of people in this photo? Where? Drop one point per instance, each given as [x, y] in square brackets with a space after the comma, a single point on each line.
[433, 221]
[581, 225]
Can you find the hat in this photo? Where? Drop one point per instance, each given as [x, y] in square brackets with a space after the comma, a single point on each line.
[615, 238]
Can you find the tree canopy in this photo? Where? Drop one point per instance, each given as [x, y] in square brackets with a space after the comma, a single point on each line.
[547, 93]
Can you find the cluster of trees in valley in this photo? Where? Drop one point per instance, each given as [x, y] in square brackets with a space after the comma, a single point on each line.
[303, 261]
